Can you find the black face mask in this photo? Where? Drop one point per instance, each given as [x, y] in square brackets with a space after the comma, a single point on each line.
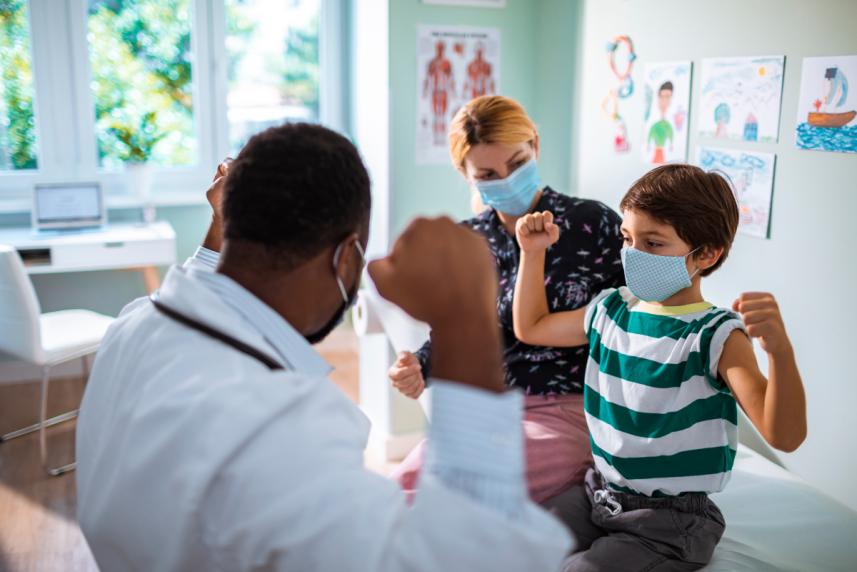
[348, 300]
[334, 322]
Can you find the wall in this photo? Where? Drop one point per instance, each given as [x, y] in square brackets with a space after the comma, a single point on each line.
[806, 263]
[536, 38]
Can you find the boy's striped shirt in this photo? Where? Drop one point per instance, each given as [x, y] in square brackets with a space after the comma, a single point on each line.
[660, 420]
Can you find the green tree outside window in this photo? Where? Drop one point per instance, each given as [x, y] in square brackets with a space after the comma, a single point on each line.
[17, 121]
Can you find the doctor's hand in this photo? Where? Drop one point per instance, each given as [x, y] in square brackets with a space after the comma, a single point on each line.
[442, 273]
[214, 195]
[536, 232]
[406, 375]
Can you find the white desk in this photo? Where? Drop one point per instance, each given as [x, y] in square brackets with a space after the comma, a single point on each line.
[128, 246]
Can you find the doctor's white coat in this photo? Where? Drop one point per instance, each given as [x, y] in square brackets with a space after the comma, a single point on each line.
[194, 456]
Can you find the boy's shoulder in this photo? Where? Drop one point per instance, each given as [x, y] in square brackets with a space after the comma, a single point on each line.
[698, 317]
[611, 297]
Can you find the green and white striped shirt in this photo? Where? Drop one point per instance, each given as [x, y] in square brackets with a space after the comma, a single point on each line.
[660, 420]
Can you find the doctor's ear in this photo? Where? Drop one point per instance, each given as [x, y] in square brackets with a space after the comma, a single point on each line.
[344, 257]
[536, 147]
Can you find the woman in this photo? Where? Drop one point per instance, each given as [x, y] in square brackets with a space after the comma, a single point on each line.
[494, 145]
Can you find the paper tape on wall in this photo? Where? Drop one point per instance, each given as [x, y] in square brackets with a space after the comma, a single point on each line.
[365, 318]
[373, 315]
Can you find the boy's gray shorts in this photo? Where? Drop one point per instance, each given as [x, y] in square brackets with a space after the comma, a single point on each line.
[627, 532]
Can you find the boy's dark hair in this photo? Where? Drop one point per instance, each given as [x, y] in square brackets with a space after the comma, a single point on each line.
[295, 189]
[666, 86]
[700, 206]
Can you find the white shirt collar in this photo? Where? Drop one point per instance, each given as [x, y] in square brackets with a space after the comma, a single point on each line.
[289, 344]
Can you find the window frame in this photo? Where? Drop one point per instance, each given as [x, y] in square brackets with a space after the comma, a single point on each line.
[65, 119]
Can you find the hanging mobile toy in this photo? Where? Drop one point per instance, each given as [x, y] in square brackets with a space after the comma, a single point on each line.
[610, 103]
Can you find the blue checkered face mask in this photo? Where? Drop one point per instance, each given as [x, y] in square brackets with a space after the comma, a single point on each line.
[514, 194]
[655, 278]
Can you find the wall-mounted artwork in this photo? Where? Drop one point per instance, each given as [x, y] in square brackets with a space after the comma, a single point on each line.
[752, 178]
[827, 110]
[740, 98]
[667, 88]
[454, 65]
[620, 57]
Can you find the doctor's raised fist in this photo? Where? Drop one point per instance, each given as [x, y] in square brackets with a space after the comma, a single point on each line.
[439, 272]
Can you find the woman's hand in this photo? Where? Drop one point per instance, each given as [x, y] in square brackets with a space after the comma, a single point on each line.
[536, 232]
[407, 375]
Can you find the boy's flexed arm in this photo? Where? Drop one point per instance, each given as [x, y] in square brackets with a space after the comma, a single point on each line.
[776, 406]
[534, 324]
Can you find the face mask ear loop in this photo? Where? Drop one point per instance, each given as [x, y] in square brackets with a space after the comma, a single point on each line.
[339, 283]
[698, 270]
[362, 253]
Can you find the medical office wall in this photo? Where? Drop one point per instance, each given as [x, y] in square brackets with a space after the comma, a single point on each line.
[538, 41]
[807, 261]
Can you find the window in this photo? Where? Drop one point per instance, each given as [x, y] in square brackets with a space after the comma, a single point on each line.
[140, 61]
[179, 84]
[17, 120]
[272, 65]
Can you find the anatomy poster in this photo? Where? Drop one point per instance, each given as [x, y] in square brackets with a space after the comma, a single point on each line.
[454, 65]
[752, 178]
[740, 98]
[665, 119]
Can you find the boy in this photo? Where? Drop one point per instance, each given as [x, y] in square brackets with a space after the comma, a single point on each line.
[665, 375]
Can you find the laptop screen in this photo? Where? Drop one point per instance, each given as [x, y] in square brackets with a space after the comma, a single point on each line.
[71, 205]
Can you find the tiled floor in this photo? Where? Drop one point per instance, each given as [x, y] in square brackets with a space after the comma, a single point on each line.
[38, 530]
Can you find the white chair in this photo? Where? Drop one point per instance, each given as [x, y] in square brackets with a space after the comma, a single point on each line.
[45, 340]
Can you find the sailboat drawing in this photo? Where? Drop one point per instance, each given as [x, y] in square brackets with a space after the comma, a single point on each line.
[836, 89]
[827, 113]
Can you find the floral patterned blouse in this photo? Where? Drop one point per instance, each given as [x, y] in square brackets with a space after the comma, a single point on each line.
[584, 261]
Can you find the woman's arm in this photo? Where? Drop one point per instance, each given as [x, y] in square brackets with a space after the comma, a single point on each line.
[612, 240]
[776, 406]
[533, 322]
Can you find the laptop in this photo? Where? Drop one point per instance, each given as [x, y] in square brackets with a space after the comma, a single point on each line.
[68, 206]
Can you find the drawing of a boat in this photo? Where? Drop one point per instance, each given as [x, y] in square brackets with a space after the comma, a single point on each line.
[836, 93]
[830, 119]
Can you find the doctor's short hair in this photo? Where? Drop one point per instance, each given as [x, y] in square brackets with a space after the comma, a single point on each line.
[295, 189]
[699, 205]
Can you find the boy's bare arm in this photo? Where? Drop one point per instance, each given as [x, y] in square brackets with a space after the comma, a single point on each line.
[776, 406]
[533, 322]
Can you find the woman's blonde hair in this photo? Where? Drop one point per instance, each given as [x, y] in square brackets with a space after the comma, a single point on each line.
[488, 119]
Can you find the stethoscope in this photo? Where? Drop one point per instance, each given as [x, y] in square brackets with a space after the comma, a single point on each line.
[223, 337]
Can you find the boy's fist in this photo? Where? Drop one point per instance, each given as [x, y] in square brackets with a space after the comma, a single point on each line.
[762, 317]
[536, 231]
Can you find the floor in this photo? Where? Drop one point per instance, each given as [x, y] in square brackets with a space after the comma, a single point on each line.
[38, 530]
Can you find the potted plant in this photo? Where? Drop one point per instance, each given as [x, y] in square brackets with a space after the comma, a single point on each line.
[136, 140]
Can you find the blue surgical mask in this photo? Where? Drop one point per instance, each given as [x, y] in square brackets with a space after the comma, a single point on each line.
[514, 194]
[655, 278]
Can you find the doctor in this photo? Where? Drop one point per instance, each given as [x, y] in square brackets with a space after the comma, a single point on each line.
[211, 439]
